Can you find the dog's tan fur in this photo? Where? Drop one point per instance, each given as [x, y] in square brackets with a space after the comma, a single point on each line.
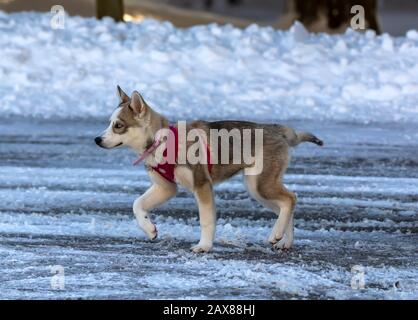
[135, 124]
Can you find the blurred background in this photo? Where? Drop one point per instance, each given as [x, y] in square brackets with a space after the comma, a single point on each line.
[332, 16]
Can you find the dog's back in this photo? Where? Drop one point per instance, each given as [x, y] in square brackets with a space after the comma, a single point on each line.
[292, 137]
[230, 141]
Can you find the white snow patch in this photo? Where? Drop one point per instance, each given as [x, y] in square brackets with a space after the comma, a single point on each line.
[204, 72]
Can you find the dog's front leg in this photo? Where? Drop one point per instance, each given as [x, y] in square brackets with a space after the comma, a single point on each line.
[207, 217]
[153, 197]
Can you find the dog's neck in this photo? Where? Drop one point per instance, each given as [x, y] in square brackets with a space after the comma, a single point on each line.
[156, 123]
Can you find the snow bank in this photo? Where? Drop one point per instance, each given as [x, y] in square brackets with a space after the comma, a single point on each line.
[205, 71]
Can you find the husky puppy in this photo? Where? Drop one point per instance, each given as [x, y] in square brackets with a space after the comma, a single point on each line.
[136, 125]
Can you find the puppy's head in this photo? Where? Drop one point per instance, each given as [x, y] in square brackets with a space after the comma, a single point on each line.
[129, 124]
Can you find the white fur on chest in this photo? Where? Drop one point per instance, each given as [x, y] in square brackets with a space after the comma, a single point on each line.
[184, 177]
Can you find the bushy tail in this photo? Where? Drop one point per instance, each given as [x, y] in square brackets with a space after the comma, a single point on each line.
[293, 138]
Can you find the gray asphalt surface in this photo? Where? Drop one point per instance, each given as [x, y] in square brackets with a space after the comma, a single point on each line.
[64, 202]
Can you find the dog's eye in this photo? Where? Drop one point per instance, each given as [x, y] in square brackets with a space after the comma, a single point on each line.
[118, 125]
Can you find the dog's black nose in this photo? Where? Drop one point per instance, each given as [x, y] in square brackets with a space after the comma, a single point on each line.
[98, 140]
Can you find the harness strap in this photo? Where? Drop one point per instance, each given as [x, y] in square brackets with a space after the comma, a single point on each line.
[166, 170]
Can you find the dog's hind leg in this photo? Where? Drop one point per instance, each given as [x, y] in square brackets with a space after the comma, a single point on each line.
[268, 191]
[282, 241]
[156, 195]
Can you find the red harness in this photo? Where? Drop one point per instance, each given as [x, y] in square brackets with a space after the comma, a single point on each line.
[166, 170]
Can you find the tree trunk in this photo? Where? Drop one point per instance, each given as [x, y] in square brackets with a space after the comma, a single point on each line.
[337, 11]
[110, 8]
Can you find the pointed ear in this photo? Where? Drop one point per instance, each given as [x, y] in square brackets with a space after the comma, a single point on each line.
[122, 95]
[138, 104]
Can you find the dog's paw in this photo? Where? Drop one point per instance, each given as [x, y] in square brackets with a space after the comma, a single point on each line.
[272, 238]
[148, 227]
[200, 248]
[283, 244]
[153, 234]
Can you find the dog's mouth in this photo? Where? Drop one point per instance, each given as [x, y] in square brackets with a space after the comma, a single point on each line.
[104, 147]
[117, 145]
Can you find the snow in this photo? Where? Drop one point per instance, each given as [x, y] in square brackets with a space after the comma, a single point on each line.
[206, 71]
